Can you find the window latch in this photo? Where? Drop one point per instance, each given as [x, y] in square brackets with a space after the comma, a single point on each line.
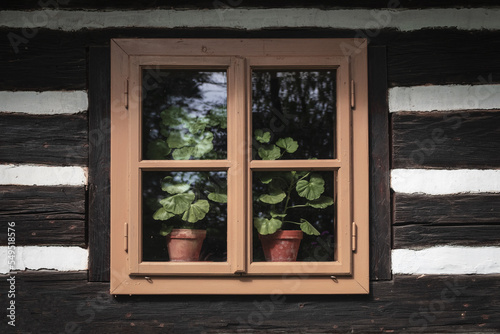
[125, 237]
[353, 96]
[354, 236]
[126, 94]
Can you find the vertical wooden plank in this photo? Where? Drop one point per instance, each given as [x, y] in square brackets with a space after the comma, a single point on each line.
[99, 160]
[380, 203]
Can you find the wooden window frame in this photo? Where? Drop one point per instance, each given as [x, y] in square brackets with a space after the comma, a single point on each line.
[348, 274]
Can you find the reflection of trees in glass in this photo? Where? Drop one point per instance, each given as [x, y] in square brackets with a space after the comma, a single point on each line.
[184, 114]
[298, 104]
[202, 185]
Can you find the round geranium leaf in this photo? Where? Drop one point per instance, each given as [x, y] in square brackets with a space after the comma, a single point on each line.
[269, 152]
[266, 226]
[183, 153]
[177, 139]
[204, 145]
[262, 137]
[288, 144]
[321, 203]
[312, 188]
[179, 203]
[275, 196]
[307, 228]
[162, 214]
[218, 197]
[158, 150]
[196, 211]
[169, 185]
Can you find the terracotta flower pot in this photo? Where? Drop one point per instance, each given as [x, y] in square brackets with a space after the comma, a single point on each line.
[282, 246]
[185, 244]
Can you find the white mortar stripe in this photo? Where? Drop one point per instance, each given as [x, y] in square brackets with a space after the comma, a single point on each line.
[443, 98]
[442, 182]
[30, 175]
[404, 20]
[446, 260]
[40, 257]
[50, 102]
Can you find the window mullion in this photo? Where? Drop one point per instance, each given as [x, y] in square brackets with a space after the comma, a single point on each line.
[237, 156]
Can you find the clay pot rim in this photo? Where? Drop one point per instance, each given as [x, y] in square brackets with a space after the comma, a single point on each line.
[284, 234]
[186, 233]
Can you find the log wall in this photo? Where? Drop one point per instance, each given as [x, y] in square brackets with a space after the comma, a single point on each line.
[62, 215]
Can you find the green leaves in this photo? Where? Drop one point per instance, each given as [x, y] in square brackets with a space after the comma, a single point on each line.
[177, 204]
[266, 226]
[162, 214]
[269, 152]
[203, 145]
[183, 153]
[262, 137]
[169, 185]
[311, 189]
[196, 211]
[218, 197]
[275, 196]
[307, 228]
[288, 144]
[158, 150]
[321, 203]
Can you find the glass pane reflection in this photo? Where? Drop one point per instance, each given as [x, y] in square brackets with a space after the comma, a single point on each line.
[295, 200]
[177, 200]
[184, 114]
[298, 107]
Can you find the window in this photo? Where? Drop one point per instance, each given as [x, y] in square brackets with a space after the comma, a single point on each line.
[239, 141]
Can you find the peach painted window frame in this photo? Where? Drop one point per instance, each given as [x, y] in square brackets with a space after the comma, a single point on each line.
[349, 273]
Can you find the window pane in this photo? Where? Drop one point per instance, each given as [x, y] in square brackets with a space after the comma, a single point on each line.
[298, 201]
[293, 114]
[184, 200]
[184, 114]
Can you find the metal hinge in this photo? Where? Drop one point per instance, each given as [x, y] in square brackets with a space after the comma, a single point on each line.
[126, 94]
[125, 237]
[354, 236]
[353, 96]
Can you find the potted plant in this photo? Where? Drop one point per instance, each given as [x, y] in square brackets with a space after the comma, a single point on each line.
[187, 136]
[278, 241]
[181, 210]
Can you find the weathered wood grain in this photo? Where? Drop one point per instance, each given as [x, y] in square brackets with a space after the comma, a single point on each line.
[54, 60]
[66, 302]
[443, 56]
[44, 139]
[99, 163]
[227, 4]
[43, 215]
[447, 209]
[469, 139]
[380, 200]
[423, 235]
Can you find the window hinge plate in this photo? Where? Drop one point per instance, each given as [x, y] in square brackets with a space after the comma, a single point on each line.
[126, 93]
[354, 236]
[125, 237]
[353, 95]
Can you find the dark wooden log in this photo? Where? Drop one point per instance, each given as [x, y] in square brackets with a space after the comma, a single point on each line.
[447, 209]
[380, 201]
[441, 56]
[99, 160]
[422, 235]
[227, 4]
[66, 303]
[43, 215]
[54, 60]
[44, 139]
[446, 139]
